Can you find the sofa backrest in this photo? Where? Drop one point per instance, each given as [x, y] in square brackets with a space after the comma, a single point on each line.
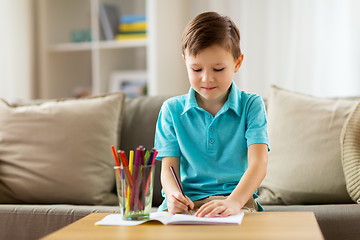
[138, 128]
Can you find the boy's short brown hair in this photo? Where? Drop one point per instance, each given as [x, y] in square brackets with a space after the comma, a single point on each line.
[208, 29]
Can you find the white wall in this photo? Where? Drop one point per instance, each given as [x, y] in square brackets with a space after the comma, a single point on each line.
[17, 65]
[166, 66]
[309, 46]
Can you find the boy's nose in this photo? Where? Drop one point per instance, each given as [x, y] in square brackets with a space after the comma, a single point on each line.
[206, 77]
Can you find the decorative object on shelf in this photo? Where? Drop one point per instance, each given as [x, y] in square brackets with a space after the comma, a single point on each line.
[133, 83]
[80, 35]
[132, 27]
[109, 20]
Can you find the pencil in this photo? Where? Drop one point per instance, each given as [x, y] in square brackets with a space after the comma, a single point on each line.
[116, 158]
[149, 158]
[123, 189]
[177, 181]
[131, 164]
[123, 159]
[178, 184]
[150, 162]
[136, 176]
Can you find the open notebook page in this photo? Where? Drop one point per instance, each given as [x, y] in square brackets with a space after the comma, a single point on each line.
[168, 218]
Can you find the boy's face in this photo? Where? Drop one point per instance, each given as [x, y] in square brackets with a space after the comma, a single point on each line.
[211, 72]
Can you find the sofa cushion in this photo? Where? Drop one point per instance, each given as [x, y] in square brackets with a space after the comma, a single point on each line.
[29, 221]
[59, 151]
[350, 154]
[304, 162]
[138, 128]
[336, 221]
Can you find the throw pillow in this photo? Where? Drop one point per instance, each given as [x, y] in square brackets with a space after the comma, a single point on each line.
[304, 164]
[350, 154]
[59, 151]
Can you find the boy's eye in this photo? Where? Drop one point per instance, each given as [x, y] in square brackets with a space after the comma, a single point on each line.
[196, 70]
[218, 69]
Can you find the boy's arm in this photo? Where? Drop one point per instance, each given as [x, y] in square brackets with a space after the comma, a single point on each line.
[257, 165]
[176, 202]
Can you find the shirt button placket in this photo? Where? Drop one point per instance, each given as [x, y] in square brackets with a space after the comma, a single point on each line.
[211, 135]
[211, 139]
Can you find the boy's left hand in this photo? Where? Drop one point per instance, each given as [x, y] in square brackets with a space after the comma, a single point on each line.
[222, 208]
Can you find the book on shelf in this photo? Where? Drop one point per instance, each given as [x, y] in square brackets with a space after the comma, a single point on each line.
[131, 27]
[124, 36]
[131, 18]
[109, 20]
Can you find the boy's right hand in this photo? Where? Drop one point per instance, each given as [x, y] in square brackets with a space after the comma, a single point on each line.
[178, 203]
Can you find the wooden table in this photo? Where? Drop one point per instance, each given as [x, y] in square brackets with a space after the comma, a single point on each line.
[266, 225]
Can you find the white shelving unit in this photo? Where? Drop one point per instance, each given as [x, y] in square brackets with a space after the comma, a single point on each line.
[66, 67]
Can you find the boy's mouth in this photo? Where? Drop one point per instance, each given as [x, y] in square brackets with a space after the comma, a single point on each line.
[208, 88]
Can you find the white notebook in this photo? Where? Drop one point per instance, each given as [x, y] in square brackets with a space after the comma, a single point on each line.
[168, 218]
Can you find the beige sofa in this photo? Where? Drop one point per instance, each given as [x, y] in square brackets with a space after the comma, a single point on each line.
[338, 216]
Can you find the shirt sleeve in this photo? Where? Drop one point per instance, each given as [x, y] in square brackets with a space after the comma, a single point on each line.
[166, 142]
[256, 124]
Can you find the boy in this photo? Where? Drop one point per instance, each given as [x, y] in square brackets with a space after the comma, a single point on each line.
[215, 136]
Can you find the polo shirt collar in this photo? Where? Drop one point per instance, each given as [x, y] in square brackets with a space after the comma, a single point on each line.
[231, 103]
[190, 101]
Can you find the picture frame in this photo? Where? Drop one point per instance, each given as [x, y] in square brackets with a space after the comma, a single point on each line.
[133, 83]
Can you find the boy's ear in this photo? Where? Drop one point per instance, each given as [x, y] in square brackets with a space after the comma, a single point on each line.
[183, 57]
[238, 63]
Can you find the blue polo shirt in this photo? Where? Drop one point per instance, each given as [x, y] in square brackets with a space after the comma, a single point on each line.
[212, 150]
